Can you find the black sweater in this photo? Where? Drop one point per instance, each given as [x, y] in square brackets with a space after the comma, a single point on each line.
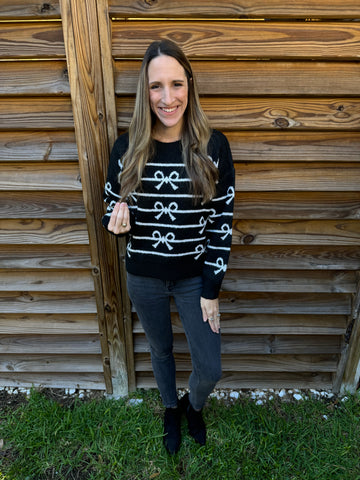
[171, 237]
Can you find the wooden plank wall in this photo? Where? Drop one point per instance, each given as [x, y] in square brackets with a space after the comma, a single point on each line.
[282, 82]
[49, 332]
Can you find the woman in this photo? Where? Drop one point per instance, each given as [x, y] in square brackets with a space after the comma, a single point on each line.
[171, 186]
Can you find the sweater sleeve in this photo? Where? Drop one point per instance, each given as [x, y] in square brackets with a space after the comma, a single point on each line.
[219, 226]
[111, 193]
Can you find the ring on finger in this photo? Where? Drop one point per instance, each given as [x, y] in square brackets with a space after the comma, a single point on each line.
[211, 319]
[124, 225]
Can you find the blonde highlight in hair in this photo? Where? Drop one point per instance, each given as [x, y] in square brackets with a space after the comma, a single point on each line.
[194, 138]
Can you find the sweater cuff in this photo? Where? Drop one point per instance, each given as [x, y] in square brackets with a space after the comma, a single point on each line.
[210, 290]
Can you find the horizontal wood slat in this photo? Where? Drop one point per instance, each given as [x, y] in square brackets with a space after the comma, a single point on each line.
[50, 344]
[289, 281]
[29, 9]
[44, 232]
[38, 146]
[252, 363]
[258, 78]
[259, 344]
[34, 78]
[297, 232]
[46, 281]
[245, 40]
[26, 205]
[236, 8]
[281, 303]
[51, 363]
[90, 381]
[31, 113]
[31, 40]
[45, 257]
[263, 380]
[39, 176]
[267, 324]
[296, 257]
[297, 205]
[232, 113]
[297, 176]
[284, 145]
[49, 324]
[30, 302]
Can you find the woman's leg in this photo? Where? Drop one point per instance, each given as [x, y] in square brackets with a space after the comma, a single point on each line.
[204, 344]
[151, 299]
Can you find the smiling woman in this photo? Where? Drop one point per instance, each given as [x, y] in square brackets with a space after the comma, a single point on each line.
[171, 186]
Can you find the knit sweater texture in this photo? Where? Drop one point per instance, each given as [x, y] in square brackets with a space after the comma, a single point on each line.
[172, 237]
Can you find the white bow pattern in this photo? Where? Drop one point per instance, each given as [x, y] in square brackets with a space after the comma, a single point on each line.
[170, 237]
[220, 265]
[159, 175]
[159, 207]
[230, 195]
[226, 230]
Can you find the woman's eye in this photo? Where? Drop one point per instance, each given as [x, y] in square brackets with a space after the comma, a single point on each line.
[154, 87]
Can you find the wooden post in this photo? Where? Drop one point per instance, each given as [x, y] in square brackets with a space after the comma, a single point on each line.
[352, 370]
[84, 58]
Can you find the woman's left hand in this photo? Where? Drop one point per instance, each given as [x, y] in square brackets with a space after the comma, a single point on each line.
[210, 311]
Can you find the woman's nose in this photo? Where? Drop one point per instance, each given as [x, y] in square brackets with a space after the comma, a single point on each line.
[167, 97]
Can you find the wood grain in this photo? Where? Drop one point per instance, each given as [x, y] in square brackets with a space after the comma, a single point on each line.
[37, 176]
[289, 281]
[31, 40]
[88, 381]
[46, 281]
[282, 78]
[269, 324]
[239, 9]
[49, 113]
[297, 257]
[296, 232]
[51, 363]
[34, 78]
[297, 177]
[25, 9]
[30, 146]
[259, 344]
[252, 363]
[233, 113]
[50, 344]
[45, 256]
[32, 302]
[43, 232]
[253, 380]
[281, 303]
[26, 205]
[297, 205]
[48, 323]
[245, 40]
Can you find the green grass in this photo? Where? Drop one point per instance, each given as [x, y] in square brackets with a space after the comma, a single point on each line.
[103, 439]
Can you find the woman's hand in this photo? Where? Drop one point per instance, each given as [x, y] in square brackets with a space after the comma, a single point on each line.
[120, 219]
[210, 311]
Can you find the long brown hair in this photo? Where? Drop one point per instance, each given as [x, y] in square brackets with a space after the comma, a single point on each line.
[194, 138]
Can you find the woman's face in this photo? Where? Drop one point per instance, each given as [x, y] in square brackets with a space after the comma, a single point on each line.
[168, 92]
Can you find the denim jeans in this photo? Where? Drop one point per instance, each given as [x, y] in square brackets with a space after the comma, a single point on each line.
[151, 299]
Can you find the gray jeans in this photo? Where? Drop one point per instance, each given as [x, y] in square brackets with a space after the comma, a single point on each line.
[151, 299]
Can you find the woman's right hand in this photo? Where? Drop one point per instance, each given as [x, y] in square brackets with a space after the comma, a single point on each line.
[120, 219]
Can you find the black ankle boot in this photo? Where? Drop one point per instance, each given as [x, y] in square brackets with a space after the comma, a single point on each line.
[196, 424]
[172, 429]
